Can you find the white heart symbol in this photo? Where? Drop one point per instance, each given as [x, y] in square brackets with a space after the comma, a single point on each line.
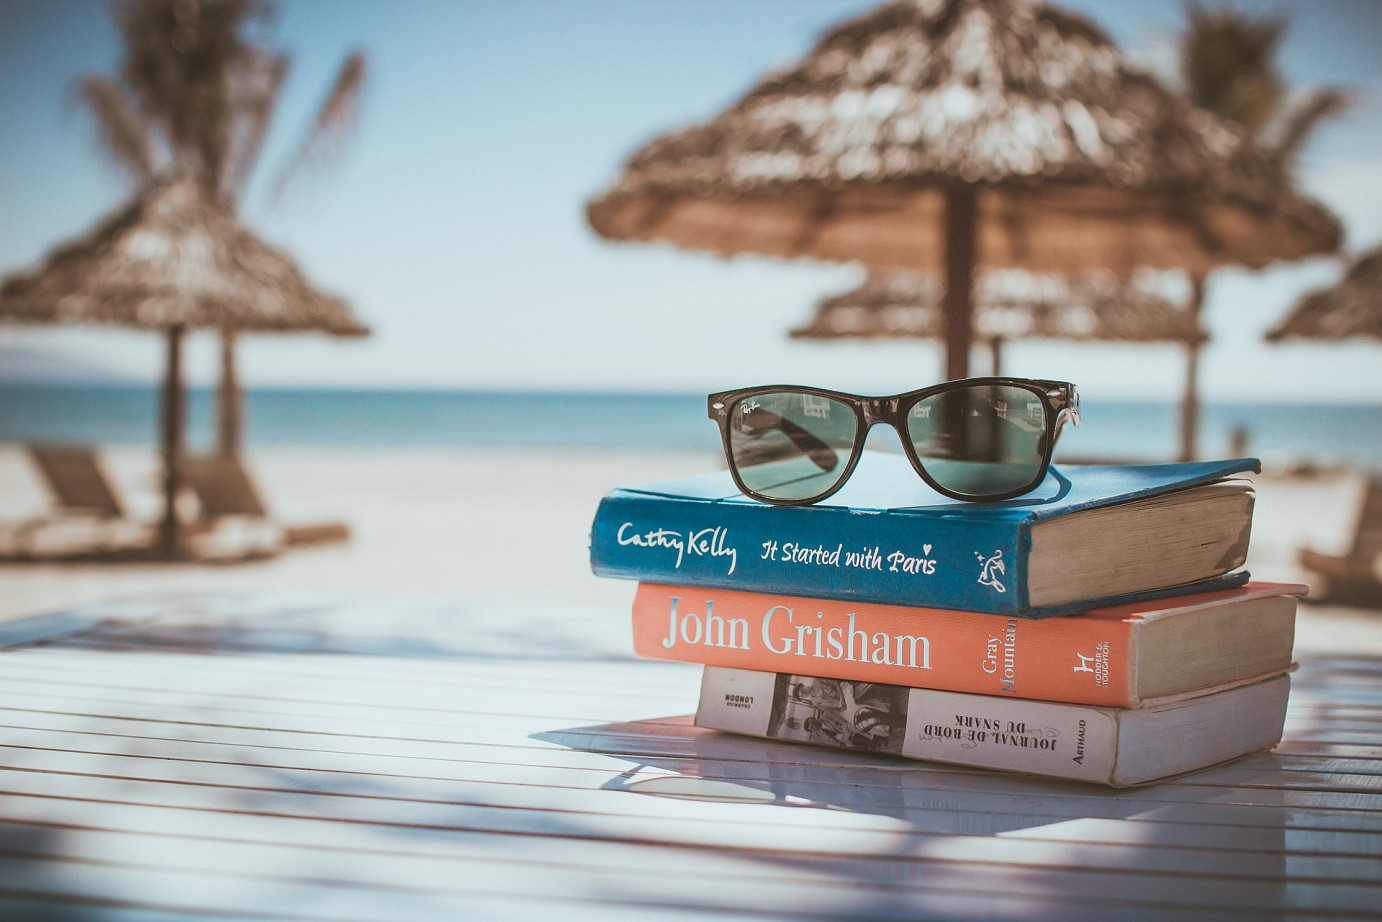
[926, 549]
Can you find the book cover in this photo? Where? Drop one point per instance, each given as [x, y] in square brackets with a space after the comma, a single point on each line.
[1105, 656]
[1112, 746]
[885, 537]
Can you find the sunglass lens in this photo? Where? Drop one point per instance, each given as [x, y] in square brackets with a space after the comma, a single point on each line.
[789, 445]
[982, 440]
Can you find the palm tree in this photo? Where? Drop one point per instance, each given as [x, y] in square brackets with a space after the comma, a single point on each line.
[1228, 66]
[194, 97]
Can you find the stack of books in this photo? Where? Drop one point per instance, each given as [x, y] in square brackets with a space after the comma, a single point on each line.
[1099, 629]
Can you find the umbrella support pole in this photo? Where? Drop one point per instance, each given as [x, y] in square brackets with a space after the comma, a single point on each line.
[1190, 398]
[961, 245]
[230, 401]
[174, 417]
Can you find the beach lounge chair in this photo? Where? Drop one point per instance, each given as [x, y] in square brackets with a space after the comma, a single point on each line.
[1352, 577]
[82, 495]
[228, 498]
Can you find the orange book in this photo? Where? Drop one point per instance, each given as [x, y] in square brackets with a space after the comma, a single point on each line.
[1117, 656]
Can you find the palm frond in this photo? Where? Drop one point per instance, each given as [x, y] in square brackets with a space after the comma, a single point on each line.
[1228, 64]
[178, 55]
[255, 99]
[1298, 121]
[333, 123]
[124, 136]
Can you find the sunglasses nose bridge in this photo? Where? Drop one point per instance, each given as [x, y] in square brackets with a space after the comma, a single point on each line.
[881, 411]
[878, 410]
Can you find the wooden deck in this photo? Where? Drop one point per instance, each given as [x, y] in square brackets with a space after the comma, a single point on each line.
[302, 758]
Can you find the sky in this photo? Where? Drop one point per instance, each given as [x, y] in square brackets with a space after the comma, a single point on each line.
[453, 222]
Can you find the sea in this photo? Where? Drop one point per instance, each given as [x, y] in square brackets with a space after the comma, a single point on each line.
[1281, 434]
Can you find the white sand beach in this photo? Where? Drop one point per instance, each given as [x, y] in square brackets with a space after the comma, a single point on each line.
[510, 526]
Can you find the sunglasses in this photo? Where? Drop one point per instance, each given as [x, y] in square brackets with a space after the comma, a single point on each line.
[975, 439]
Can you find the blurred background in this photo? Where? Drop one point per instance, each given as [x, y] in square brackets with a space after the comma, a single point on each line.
[443, 202]
[453, 220]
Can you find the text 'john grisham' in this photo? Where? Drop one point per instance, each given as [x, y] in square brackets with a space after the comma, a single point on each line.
[714, 542]
[785, 632]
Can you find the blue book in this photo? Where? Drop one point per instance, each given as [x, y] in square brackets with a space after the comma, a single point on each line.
[1090, 535]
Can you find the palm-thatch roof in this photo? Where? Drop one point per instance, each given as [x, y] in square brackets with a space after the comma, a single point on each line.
[173, 257]
[1349, 309]
[1077, 160]
[1009, 304]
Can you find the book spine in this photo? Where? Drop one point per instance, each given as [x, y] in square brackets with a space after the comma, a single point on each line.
[1067, 741]
[1085, 660]
[971, 563]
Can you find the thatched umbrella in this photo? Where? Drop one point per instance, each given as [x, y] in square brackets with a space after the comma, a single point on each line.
[947, 136]
[1009, 304]
[1349, 309]
[173, 260]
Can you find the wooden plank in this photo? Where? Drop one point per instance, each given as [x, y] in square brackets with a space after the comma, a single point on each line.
[100, 887]
[734, 757]
[1182, 834]
[354, 690]
[379, 689]
[233, 704]
[635, 745]
[270, 623]
[615, 740]
[226, 757]
[716, 880]
[373, 678]
[1283, 769]
[376, 674]
[862, 788]
[529, 810]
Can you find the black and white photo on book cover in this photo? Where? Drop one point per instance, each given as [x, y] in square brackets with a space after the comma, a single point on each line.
[839, 712]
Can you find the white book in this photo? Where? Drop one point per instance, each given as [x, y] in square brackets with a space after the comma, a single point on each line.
[1113, 746]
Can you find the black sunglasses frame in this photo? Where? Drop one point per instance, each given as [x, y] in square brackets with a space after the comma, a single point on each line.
[1059, 398]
